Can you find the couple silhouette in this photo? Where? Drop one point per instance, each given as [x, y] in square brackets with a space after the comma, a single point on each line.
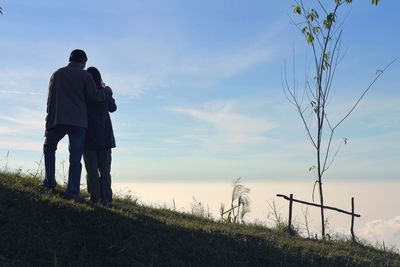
[78, 105]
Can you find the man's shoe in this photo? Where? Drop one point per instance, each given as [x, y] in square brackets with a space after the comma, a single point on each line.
[48, 189]
[107, 204]
[48, 186]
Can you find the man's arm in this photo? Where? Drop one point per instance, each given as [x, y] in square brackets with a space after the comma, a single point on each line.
[49, 95]
[92, 94]
[50, 101]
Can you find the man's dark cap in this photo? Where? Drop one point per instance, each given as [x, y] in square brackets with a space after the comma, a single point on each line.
[78, 55]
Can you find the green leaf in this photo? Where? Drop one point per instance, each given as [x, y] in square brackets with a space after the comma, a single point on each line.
[312, 168]
[330, 19]
[316, 30]
[310, 38]
[375, 2]
[304, 30]
[313, 15]
[313, 103]
[327, 25]
[296, 9]
[325, 61]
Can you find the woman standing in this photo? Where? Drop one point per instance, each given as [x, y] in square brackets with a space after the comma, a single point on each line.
[99, 142]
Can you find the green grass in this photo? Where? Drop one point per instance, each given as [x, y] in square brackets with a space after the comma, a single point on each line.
[39, 228]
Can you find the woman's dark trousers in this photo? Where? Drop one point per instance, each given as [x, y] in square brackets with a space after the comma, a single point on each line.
[98, 168]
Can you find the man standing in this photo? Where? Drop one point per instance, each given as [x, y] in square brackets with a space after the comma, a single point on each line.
[69, 89]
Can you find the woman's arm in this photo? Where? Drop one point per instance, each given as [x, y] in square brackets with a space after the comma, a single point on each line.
[111, 103]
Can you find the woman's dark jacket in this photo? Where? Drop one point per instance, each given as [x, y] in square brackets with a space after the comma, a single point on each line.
[100, 135]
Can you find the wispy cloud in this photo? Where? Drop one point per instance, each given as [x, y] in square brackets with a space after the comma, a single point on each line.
[24, 119]
[22, 129]
[13, 144]
[229, 126]
[150, 54]
[22, 81]
[218, 65]
[173, 61]
[382, 230]
[167, 68]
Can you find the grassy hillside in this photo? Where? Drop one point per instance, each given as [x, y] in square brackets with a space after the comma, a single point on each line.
[39, 228]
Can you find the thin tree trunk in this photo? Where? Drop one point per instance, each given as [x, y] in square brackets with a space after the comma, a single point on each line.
[320, 116]
[321, 195]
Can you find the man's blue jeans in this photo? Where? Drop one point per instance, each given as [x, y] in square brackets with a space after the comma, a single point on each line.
[76, 136]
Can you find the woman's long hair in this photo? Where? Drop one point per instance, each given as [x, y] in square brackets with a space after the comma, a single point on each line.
[96, 76]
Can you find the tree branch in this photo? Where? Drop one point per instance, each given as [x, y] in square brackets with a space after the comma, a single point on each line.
[378, 75]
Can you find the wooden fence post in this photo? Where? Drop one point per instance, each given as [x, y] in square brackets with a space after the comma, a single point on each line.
[290, 212]
[291, 200]
[352, 220]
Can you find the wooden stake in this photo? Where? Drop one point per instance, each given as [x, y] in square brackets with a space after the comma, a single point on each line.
[290, 211]
[352, 220]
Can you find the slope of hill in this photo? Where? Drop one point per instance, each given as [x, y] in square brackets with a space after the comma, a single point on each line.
[39, 228]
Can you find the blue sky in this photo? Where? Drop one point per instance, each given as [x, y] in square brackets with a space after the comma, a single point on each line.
[198, 86]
